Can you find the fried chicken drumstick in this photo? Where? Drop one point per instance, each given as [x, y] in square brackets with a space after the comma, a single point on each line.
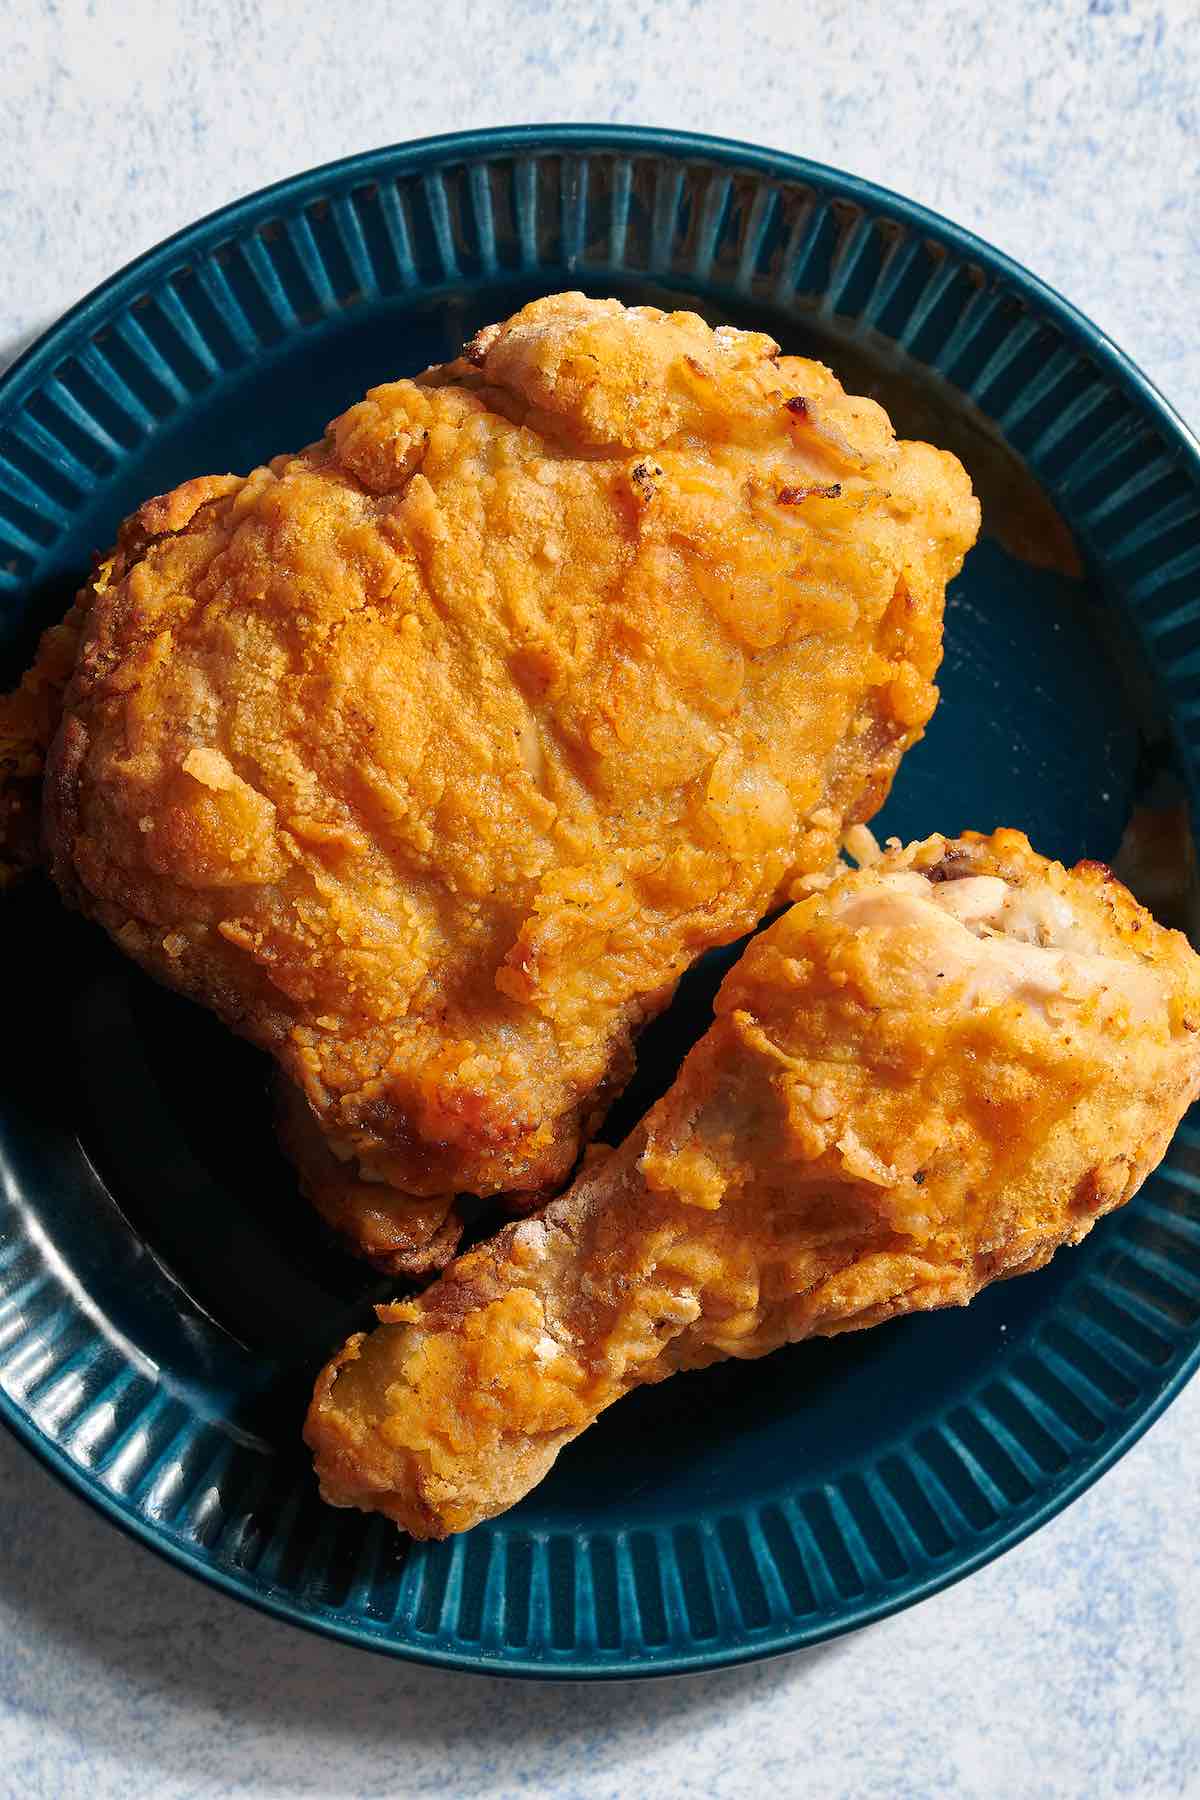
[430, 757]
[923, 1078]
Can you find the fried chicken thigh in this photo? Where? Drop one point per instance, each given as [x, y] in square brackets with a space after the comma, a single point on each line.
[431, 756]
[925, 1077]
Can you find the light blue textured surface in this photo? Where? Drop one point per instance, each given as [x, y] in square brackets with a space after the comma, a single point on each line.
[1071, 141]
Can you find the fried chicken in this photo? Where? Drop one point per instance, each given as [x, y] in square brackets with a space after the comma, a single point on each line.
[926, 1077]
[431, 756]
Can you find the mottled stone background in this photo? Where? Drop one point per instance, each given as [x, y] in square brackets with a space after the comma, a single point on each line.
[1068, 135]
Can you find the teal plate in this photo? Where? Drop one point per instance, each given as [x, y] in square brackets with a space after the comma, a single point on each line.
[165, 1297]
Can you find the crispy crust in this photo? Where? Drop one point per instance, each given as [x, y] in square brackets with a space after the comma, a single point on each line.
[887, 1113]
[400, 1234]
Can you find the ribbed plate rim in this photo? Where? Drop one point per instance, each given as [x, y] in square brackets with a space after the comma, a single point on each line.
[851, 1617]
[454, 146]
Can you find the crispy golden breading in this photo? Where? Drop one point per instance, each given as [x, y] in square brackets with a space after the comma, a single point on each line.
[923, 1078]
[29, 718]
[431, 756]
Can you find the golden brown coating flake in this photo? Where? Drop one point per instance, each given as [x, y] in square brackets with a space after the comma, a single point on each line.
[431, 756]
[924, 1077]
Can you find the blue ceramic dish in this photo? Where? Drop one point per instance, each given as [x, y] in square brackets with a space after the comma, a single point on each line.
[165, 1298]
